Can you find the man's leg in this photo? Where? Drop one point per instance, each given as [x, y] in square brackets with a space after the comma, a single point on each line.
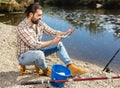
[35, 57]
[62, 53]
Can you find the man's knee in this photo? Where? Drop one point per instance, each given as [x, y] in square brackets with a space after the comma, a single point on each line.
[40, 54]
[60, 44]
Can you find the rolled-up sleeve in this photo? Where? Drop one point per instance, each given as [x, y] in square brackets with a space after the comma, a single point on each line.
[48, 30]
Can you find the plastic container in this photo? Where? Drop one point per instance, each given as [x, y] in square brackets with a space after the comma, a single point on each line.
[59, 72]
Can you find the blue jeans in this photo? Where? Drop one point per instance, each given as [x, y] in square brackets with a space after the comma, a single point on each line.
[38, 56]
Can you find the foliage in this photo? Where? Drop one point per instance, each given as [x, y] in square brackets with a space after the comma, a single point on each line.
[13, 5]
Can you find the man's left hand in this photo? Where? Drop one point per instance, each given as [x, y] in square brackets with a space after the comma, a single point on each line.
[69, 31]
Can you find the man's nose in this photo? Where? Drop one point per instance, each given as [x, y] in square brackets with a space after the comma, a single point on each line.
[40, 17]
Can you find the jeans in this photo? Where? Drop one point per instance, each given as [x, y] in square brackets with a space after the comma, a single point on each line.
[38, 56]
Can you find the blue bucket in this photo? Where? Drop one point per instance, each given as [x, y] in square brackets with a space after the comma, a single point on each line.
[59, 72]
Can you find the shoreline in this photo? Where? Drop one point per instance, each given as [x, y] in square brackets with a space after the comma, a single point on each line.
[9, 73]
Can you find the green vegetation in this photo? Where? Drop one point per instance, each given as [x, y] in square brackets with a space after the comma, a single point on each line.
[13, 5]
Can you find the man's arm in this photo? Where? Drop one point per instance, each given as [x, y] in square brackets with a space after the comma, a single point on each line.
[29, 40]
[50, 42]
[49, 31]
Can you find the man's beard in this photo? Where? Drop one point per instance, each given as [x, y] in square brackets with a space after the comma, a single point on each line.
[35, 21]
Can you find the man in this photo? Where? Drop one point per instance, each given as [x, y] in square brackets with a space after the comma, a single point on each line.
[30, 48]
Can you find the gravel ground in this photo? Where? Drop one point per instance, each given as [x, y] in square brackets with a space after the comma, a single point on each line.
[9, 68]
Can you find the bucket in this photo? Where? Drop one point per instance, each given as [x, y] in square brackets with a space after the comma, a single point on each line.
[59, 72]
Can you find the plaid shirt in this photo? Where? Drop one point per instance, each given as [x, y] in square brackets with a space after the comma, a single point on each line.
[28, 38]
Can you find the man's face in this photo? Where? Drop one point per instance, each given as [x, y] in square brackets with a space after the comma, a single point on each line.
[36, 16]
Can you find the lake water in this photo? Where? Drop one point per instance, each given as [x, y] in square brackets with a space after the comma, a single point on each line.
[97, 35]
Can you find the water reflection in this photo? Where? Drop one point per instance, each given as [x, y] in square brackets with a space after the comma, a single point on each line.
[96, 21]
[12, 19]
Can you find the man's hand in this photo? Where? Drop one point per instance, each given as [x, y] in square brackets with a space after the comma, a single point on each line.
[66, 34]
[57, 38]
[69, 31]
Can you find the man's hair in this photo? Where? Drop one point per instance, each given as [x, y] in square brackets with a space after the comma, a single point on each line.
[32, 8]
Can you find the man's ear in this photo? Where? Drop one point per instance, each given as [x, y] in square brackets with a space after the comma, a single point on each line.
[30, 14]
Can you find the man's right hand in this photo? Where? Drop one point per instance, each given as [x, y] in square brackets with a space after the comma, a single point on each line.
[57, 39]
[51, 42]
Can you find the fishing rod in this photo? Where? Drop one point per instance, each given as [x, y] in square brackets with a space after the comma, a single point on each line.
[106, 67]
[68, 80]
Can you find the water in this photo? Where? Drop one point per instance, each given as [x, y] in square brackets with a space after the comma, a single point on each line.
[97, 36]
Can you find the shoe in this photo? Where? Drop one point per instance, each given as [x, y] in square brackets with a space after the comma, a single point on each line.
[47, 71]
[38, 70]
[22, 69]
[76, 70]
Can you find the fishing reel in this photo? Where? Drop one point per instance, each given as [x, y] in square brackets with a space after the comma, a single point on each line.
[108, 70]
